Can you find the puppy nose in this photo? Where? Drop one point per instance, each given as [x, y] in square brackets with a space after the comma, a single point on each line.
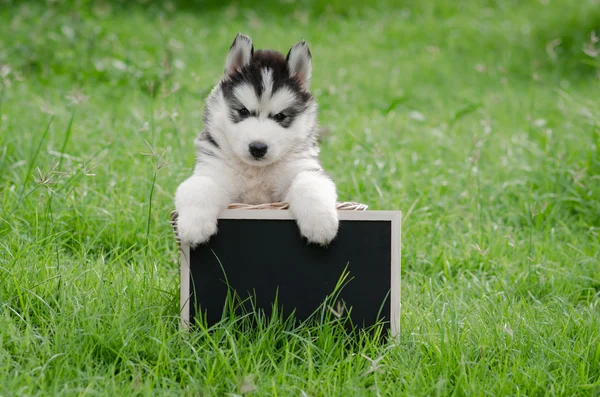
[258, 149]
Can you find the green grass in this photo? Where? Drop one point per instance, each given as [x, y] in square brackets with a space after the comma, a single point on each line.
[479, 119]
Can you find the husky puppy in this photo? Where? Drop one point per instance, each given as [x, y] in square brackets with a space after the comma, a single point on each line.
[259, 146]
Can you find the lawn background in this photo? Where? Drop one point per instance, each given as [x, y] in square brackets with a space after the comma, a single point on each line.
[478, 119]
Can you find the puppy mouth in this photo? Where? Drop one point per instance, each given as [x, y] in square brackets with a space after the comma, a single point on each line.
[258, 162]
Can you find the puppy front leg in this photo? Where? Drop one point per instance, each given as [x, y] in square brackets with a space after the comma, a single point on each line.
[199, 201]
[312, 198]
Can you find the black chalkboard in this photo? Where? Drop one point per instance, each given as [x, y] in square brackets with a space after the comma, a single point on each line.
[260, 255]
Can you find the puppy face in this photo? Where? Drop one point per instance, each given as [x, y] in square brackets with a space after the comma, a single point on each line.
[264, 110]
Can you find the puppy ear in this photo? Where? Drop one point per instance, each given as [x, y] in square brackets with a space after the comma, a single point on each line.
[300, 63]
[239, 55]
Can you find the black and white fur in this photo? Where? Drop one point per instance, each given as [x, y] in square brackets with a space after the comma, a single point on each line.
[259, 146]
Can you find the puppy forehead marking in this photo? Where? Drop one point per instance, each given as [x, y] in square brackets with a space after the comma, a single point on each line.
[246, 95]
[267, 83]
[269, 102]
[281, 100]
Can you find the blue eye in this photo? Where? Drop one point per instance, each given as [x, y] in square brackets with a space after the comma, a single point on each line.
[244, 112]
[279, 117]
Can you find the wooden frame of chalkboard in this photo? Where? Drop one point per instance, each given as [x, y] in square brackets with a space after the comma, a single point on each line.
[376, 231]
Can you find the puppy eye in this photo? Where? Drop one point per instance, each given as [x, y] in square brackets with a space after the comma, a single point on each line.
[244, 112]
[279, 117]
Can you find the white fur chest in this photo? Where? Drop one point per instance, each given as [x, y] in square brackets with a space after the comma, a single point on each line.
[256, 186]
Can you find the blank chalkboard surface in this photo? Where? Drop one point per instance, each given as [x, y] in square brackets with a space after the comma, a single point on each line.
[260, 254]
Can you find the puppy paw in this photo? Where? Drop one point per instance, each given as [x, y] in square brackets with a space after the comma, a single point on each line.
[319, 227]
[195, 226]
